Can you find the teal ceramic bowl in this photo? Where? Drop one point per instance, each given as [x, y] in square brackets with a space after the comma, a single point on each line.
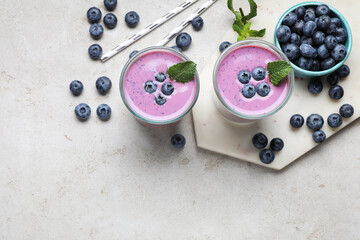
[301, 73]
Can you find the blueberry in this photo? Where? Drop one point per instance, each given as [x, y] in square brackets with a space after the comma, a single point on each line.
[311, 9]
[341, 34]
[339, 52]
[104, 112]
[103, 85]
[346, 111]
[183, 41]
[292, 51]
[197, 23]
[150, 86]
[307, 40]
[327, 63]
[276, 144]
[266, 156]
[330, 42]
[96, 31]
[298, 26]
[263, 89]
[316, 65]
[331, 30]
[333, 79]
[309, 16]
[160, 99]
[176, 48]
[295, 39]
[343, 71]
[110, 21]
[244, 76]
[336, 21]
[334, 120]
[167, 88]
[308, 51]
[319, 136]
[259, 73]
[82, 111]
[305, 63]
[315, 86]
[319, 38]
[259, 140]
[309, 28]
[300, 12]
[323, 23]
[283, 33]
[133, 53]
[178, 141]
[94, 15]
[290, 19]
[110, 5]
[95, 51]
[76, 87]
[315, 121]
[336, 92]
[248, 90]
[323, 52]
[322, 10]
[224, 45]
[296, 121]
[132, 19]
[160, 77]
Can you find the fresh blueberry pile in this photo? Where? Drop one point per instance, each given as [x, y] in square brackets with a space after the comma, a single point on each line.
[312, 39]
[249, 90]
[260, 141]
[166, 88]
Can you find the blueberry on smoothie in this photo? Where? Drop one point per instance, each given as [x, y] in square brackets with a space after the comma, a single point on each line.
[319, 136]
[95, 51]
[167, 88]
[263, 89]
[224, 45]
[343, 71]
[132, 19]
[315, 121]
[133, 53]
[110, 5]
[183, 41]
[346, 111]
[276, 144]
[197, 23]
[334, 120]
[176, 48]
[336, 92]
[266, 156]
[110, 21]
[283, 33]
[160, 77]
[333, 79]
[76, 87]
[104, 112]
[338, 53]
[93, 15]
[160, 99]
[244, 76]
[296, 121]
[178, 141]
[315, 86]
[96, 31]
[103, 85]
[259, 73]
[322, 10]
[82, 111]
[259, 140]
[248, 90]
[150, 86]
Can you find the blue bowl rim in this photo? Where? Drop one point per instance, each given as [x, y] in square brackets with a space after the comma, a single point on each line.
[348, 47]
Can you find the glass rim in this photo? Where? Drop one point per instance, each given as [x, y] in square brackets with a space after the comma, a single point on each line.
[136, 57]
[269, 46]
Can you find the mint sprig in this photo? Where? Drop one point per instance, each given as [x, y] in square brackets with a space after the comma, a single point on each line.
[278, 70]
[241, 24]
[182, 72]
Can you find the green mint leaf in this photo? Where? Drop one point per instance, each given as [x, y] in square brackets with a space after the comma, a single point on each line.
[278, 70]
[253, 11]
[255, 33]
[245, 31]
[182, 72]
[237, 26]
[230, 5]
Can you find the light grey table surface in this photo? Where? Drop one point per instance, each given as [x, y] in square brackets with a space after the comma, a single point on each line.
[65, 179]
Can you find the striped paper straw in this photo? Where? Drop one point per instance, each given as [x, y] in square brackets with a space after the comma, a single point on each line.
[147, 30]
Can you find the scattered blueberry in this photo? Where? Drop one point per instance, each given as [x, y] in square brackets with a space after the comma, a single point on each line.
[305, 63]
[110, 20]
[315, 121]
[276, 144]
[339, 52]
[309, 16]
[336, 21]
[160, 77]
[76, 87]
[291, 51]
[82, 111]
[324, 23]
[103, 85]
[327, 63]
[267, 156]
[110, 5]
[309, 28]
[300, 12]
[263, 89]
[167, 88]
[308, 51]
[298, 26]
[330, 42]
[283, 33]
[259, 140]
[315, 86]
[95, 51]
[132, 19]
[96, 31]
[316, 65]
[341, 35]
[248, 90]
[296, 121]
[290, 19]
[150, 86]
[295, 39]
[343, 71]
[176, 48]
[336, 92]
[224, 45]
[133, 53]
[322, 10]
[259, 73]
[183, 41]
[244, 76]
[333, 79]
[319, 38]
[323, 52]
[94, 15]
[178, 141]
[104, 112]
[160, 99]
[346, 111]
[319, 136]
[334, 120]
[197, 23]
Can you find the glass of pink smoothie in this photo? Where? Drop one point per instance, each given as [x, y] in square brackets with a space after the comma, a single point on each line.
[247, 55]
[144, 105]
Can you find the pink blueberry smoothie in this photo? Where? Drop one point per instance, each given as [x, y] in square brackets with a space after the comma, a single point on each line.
[142, 103]
[248, 57]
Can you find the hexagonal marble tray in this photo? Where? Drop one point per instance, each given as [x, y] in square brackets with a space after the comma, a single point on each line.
[217, 134]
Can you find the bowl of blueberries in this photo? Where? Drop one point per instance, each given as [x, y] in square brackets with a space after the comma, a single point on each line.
[315, 37]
